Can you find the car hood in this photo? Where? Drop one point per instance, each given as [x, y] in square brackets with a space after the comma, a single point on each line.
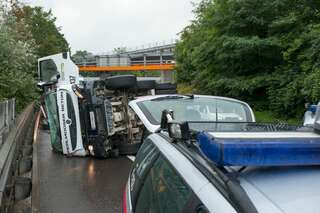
[283, 189]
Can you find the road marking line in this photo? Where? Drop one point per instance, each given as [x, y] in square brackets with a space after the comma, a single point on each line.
[130, 157]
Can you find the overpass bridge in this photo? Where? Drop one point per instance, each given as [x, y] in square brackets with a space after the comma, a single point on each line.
[158, 57]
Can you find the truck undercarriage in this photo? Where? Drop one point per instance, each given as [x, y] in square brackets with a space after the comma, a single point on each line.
[92, 117]
[107, 118]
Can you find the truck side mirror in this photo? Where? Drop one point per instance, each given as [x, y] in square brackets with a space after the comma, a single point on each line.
[77, 91]
[53, 81]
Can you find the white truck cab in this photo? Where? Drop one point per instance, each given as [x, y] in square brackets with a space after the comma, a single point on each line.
[94, 118]
[60, 72]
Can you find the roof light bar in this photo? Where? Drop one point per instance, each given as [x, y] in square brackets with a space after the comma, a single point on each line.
[254, 149]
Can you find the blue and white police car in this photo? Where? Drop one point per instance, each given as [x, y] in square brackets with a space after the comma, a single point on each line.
[222, 166]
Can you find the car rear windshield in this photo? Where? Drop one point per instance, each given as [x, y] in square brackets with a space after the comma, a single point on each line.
[196, 109]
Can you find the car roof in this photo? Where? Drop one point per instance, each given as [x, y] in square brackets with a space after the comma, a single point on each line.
[200, 185]
[277, 189]
[151, 97]
[283, 189]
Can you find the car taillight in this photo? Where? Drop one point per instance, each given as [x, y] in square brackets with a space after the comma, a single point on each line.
[125, 201]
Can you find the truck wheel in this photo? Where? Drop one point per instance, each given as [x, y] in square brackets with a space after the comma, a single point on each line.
[101, 149]
[129, 149]
[166, 92]
[166, 86]
[100, 152]
[146, 84]
[121, 82]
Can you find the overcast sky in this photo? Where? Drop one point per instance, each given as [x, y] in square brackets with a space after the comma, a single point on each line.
[102, 25]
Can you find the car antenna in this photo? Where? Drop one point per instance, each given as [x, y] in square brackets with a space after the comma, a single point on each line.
[217, 117]
[191, 96]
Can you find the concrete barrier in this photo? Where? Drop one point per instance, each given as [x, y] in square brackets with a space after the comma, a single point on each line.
[15, 155]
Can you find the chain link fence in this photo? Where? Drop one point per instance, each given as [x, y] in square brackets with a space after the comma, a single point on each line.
[7, 116]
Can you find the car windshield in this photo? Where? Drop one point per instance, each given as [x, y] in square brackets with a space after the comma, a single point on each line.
[196, 109]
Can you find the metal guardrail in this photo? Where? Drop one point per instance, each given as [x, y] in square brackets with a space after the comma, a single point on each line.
[15, 155]
[7, 113]
[7, 117]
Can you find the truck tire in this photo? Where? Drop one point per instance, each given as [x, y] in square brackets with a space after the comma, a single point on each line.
[166, 92]
[146, 85]
[166, 86]
[129, 149]
[100, 151]
[121, 82]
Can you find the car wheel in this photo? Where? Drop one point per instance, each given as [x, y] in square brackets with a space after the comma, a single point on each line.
[121, 82]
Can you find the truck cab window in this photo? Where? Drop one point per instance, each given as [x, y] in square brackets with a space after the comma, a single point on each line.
[48, 70]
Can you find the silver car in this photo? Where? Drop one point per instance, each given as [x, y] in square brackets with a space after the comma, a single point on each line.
[173, 174]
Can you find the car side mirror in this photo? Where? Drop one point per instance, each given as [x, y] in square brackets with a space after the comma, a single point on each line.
[178, 130]
[167, 115]
[317, 119]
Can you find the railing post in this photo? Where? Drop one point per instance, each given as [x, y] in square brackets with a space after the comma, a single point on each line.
[2, 116]
[7, 113]
[13, 109]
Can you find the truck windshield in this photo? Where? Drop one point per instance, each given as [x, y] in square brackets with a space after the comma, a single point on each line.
[196, 109]
[48, 70]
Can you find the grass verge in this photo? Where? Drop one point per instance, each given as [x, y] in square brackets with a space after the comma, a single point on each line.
[269, 117]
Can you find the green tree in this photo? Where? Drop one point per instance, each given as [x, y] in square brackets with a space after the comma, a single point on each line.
[26, 33]
[41, 24]
[82, 56]
[17, 61]
[264, 52]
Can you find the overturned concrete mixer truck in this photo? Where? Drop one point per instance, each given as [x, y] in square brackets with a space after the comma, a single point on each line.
[92, 117]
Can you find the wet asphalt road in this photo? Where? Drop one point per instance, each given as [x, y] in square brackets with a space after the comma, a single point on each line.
[66, 185]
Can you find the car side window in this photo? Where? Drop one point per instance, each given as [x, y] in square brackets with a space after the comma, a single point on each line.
[163, 191]
[144, 159]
